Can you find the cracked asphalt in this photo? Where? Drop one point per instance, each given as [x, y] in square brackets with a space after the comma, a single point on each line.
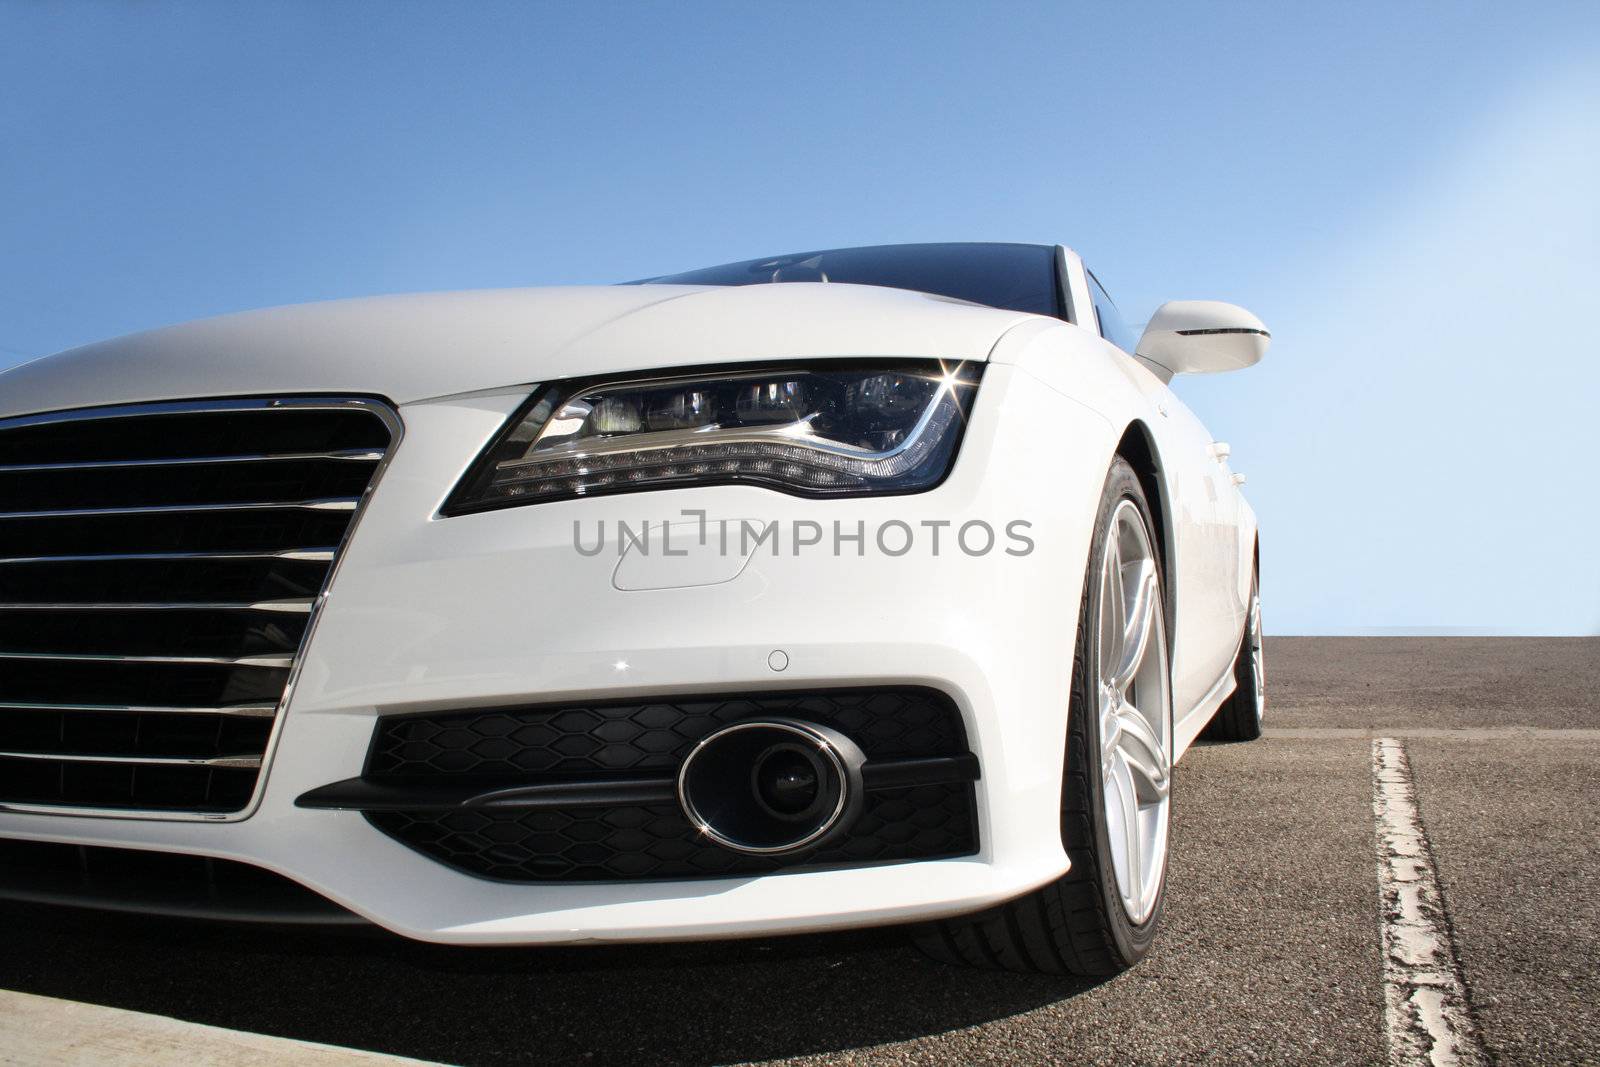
[1269, 954]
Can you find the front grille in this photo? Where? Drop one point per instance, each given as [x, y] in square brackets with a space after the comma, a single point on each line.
[610, 741]
[159, 566]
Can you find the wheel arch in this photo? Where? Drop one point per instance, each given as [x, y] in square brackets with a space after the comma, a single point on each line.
[1138, 448]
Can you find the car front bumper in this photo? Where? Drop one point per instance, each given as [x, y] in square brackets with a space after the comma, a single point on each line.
[430, 614]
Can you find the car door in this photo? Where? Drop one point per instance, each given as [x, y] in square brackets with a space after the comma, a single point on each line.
[1238, 523]
[1206, 522]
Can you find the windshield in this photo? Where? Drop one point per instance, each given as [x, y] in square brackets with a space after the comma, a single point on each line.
[1011, 276]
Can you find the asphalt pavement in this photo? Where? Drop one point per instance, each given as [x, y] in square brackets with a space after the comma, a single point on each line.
[1270, 951]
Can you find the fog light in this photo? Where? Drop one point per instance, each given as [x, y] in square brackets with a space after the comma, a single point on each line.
[787, 780]
[772, 786]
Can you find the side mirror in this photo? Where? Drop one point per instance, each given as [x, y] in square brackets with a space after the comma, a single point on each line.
[1201, 337]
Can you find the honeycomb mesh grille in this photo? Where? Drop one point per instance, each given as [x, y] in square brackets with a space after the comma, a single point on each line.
[584, 739]
[577, 742]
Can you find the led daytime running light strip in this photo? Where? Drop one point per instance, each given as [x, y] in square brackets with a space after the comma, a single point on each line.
[869, 427]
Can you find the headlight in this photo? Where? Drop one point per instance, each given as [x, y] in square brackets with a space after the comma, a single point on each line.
[829, 430]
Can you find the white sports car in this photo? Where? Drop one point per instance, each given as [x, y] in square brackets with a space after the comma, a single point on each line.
[692, 608]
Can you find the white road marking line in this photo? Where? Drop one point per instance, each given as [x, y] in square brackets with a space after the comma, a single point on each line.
[1425, 1003]
[45, 1032]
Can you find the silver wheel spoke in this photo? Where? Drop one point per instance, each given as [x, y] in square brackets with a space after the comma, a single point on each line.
[1132, 843]
[1112, 623]
[1108, 730]
[1142, 749]
[1137, 623]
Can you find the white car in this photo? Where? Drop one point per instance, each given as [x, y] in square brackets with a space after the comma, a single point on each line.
[685, 609]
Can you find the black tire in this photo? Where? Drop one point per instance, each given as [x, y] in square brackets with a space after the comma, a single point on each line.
[1076, 924]
[1239, 717]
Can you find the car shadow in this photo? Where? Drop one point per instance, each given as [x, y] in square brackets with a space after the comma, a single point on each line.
[704, 1002]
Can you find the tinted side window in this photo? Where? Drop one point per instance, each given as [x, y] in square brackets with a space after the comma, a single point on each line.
[1112, 328]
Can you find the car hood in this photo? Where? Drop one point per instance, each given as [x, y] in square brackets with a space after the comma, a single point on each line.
[420, 346]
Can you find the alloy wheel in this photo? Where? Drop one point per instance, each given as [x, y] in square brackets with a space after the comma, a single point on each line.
[1135, 701]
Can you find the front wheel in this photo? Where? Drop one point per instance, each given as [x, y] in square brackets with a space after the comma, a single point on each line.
[1101, 916]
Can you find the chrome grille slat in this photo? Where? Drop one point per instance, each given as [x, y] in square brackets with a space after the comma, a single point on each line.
[357, 455]
[341, 504]
[233, 762]
[296, 606]
[223, 405]
[244, 711]
[218, 531]
[274, 662]
[321, 555]
[160, 569]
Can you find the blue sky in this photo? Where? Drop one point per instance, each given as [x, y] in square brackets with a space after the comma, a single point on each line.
[1405, 192]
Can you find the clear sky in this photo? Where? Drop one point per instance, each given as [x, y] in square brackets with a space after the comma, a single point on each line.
[1408, 194]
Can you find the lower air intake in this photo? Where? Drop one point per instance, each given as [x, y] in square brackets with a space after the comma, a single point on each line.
[574, 744]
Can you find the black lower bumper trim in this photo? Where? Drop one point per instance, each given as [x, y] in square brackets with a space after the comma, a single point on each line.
[160, 883]
[364, 794]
